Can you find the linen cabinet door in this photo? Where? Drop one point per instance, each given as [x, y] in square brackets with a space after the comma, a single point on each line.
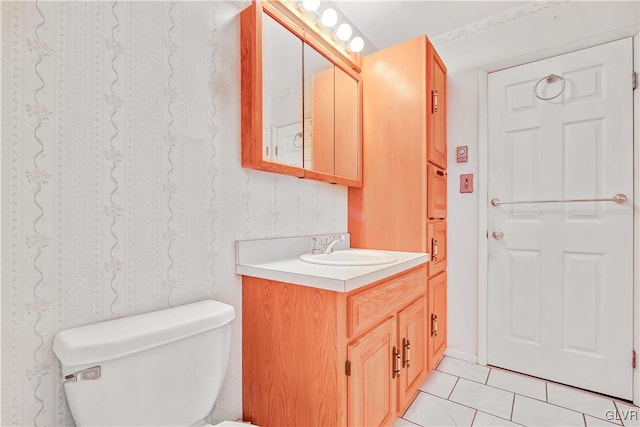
[412, 337]
[436, 192]
[437, 301]
[437, 117]
[371, 388]
[437, 245]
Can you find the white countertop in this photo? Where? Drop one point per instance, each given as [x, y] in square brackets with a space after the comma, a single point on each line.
[289, 268]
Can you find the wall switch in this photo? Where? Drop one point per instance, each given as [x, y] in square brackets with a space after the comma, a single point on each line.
[466, 183]
[462, 154]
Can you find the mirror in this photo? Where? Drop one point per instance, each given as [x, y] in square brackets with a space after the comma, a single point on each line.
[282, 135]
[319, 97]
[347, 126]
[301, 98]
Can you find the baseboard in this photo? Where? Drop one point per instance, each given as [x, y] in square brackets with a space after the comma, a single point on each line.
[473, 358]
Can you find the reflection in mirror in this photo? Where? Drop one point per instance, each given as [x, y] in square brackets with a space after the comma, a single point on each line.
[282, 134]
[346, 125]
[318, 111]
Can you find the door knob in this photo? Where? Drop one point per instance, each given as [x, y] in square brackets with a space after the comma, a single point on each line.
[498, 234]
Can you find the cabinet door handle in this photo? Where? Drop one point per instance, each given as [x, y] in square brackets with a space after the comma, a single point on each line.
[434, 249]
[395, 362]
[434, 101]
[434, 325]
[441, 173]
[406, 353]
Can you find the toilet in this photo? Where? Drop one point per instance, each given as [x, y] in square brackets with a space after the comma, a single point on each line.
[163, 368]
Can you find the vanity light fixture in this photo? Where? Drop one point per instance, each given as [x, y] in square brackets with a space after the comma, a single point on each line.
[311, 5]
[329, 17]
[318, 14]
[356, 44]
[344, 32]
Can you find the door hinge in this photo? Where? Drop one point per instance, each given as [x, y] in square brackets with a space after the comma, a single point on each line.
[634, 80]
[633, 360]
[347, 368]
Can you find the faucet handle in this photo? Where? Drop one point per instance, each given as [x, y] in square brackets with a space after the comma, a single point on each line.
[316, 248]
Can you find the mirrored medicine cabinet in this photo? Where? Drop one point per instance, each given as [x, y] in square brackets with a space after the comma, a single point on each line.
[301, 101]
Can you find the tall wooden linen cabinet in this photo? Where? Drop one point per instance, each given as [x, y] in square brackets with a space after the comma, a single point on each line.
[402, 204]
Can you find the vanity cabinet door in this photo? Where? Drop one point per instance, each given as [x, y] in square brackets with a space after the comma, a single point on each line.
[437, 246]
[412, 337]
[371, 390]
[437, 301]
[437, 111]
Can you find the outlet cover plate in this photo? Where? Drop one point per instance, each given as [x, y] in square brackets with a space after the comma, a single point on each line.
[462, 154]
[466, 183]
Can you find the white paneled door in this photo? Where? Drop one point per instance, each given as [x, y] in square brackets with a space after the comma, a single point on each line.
[561, 273]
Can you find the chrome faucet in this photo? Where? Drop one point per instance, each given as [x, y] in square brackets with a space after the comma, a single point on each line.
[324, 245]
[330, 242]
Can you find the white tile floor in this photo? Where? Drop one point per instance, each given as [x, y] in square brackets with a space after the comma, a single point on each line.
[459, 393]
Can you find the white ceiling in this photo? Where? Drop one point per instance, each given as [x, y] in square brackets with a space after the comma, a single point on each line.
[385, 23]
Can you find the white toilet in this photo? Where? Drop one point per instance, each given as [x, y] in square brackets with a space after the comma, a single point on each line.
[163, 368]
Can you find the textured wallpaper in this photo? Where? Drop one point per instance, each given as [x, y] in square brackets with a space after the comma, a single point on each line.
[122, 190]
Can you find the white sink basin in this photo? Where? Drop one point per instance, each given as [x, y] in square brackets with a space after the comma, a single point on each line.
[351, 257]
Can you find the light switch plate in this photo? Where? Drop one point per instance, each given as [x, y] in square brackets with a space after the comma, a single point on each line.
[462, 154]
[466, 183]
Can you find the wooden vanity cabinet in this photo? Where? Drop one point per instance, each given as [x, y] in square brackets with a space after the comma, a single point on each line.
[402, 204]
[313, 357]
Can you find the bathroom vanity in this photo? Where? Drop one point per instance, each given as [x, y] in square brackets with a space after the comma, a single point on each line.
[331, 345]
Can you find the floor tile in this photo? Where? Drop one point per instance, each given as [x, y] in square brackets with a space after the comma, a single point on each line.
[487, 399]
[628, 414]
[532, 412]
[518, 383]
[579, 401]
[597, 422]
[486, 420]
[427, 410]
[464, 369]
[400, 422]
[439, 383]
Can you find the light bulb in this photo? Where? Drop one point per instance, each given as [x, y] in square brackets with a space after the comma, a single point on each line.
[311, 5]
[329, 17]
[344, 32]
[356, 45]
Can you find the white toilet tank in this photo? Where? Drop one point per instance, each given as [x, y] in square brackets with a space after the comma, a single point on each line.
[163, 368]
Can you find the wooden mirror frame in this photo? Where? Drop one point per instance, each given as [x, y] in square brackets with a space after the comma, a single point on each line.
[251, 90]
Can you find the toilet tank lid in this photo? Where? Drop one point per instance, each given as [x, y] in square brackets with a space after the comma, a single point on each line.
[120, 337]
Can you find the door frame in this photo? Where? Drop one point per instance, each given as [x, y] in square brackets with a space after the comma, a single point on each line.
[483, 195]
